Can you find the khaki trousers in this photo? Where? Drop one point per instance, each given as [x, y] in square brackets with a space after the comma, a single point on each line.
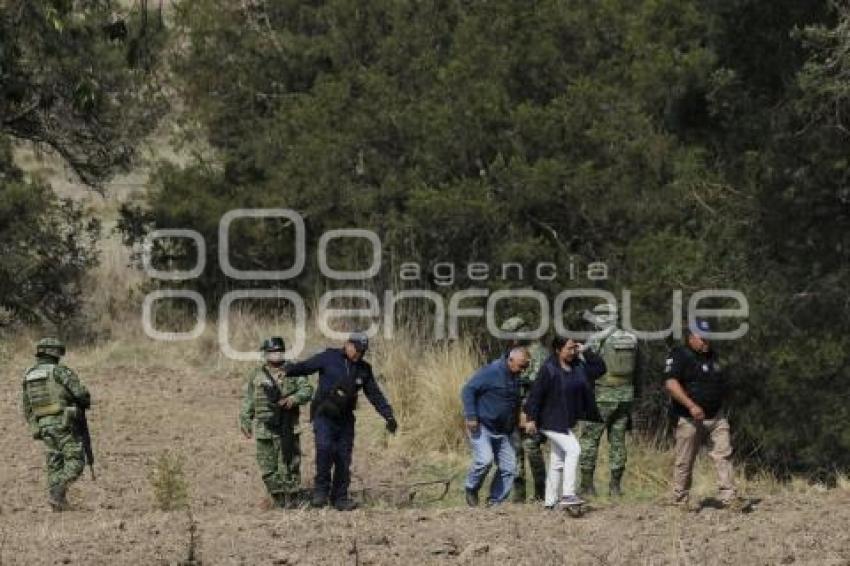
[689, 438]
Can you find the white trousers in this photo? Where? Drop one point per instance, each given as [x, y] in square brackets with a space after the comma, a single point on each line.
[564, 451]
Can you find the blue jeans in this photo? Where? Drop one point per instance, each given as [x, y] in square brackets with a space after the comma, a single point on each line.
[334, 444]
[487, 447]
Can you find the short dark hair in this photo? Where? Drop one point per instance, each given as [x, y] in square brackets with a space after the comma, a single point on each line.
[558, 342]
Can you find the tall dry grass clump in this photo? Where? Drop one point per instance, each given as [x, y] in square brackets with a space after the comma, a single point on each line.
[395, 363]
[437, 422]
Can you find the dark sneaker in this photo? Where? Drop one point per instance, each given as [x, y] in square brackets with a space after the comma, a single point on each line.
[319, 500]
[471, 497]
[345, 504]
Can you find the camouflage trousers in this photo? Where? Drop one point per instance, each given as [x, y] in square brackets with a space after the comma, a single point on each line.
[529, 445]
[65, 458]
[279, 458]
[615, 419]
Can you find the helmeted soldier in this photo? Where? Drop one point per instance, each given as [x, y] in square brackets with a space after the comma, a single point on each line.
[53, 398]
[527, 444]
[615, 393]
[270, 412]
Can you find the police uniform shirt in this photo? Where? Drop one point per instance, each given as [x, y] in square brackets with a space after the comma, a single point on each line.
[700, 376]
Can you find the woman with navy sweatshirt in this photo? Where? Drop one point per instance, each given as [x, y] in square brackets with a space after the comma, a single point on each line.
[561, 395]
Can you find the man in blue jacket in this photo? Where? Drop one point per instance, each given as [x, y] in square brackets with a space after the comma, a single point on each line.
[491, 407]
[342, 373]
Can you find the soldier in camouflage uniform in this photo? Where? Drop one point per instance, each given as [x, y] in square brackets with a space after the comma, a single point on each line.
[270, 411]
[615, 392]
[526, 444]
[52, 400]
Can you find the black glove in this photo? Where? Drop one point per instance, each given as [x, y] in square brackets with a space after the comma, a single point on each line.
[392, 425]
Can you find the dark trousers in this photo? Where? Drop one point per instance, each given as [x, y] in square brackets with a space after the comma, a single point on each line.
[334, 444]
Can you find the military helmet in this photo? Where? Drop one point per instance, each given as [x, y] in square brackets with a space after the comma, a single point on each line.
[514, 324]
[50, 346]
[273, 344]
[360, 341]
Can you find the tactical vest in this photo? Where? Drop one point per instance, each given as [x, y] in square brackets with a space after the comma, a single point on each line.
[619, 350]
[46, 395]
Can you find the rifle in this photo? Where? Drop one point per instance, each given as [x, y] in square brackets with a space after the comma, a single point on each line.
[83, 429]
[82, 425]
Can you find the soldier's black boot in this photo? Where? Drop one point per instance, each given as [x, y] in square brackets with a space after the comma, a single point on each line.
[614, 488]
[539, 491]
[56, 498]
[587, 488]
[281, 500]
[320, 499]
[518, 495]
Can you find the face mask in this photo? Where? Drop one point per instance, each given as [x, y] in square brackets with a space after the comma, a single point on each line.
[274, 357]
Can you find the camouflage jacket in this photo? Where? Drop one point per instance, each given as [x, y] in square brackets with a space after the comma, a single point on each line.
[263, 388]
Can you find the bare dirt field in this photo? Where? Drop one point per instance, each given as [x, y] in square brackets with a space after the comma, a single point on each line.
[146, 404]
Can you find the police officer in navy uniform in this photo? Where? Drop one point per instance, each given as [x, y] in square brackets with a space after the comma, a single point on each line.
[698, 389]
[342, 374]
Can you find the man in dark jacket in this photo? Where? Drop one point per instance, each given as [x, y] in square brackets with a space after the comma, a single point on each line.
[490, 408]
[697, 386]
[342, 374]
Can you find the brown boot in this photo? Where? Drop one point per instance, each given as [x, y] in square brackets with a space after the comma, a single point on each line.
[266, 504]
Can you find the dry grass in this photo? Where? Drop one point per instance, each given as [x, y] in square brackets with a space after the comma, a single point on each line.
[439, 378]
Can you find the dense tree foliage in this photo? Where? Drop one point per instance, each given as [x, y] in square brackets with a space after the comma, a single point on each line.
[74, 78]
[46, 246]
[687, 144]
